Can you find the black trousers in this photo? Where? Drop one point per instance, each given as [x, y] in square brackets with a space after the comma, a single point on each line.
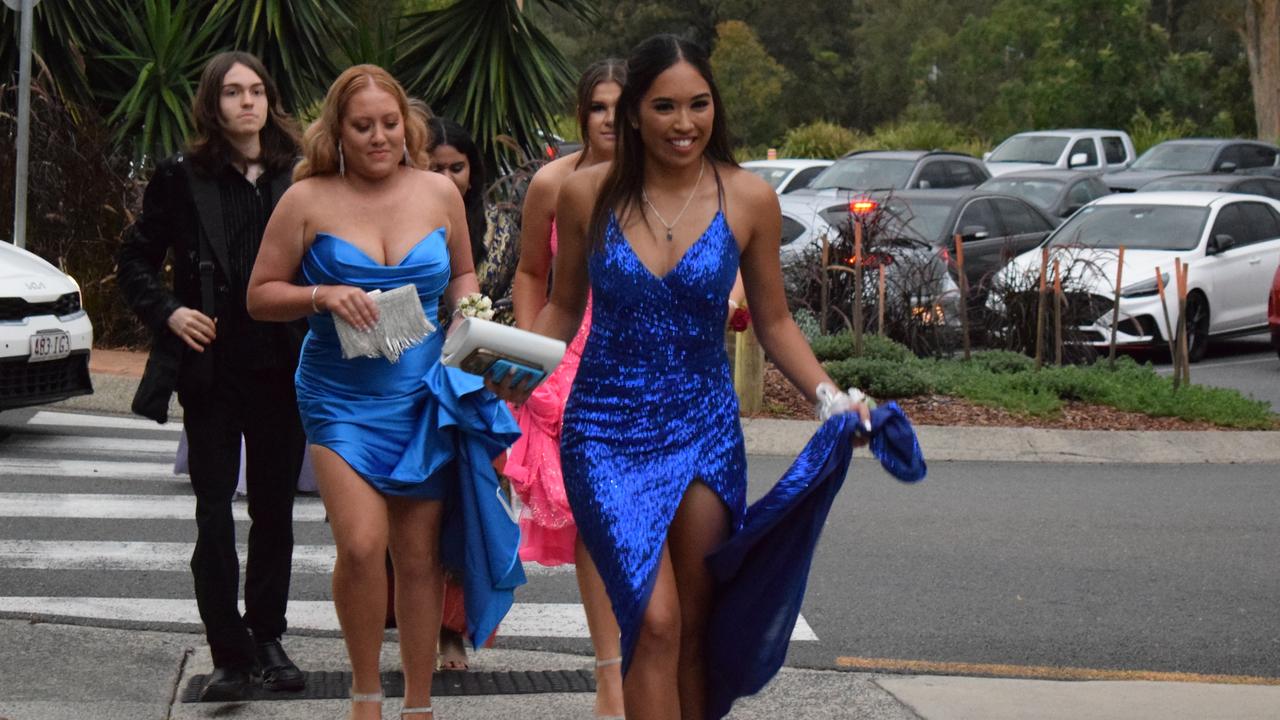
[263, 407]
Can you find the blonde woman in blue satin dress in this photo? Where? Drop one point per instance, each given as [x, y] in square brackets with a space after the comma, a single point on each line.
[393, 444]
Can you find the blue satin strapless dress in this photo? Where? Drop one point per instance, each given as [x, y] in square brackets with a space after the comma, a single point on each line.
[652, 410]
[415, 428]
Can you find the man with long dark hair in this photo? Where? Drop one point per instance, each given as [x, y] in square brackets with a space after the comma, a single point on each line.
[233, 375]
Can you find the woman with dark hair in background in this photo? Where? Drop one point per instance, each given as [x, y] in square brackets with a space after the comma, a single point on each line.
[653, 456]
[548, 534]
[454, 154]
[234, 373]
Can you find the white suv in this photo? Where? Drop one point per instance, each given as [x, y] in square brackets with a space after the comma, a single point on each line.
[45, 335]
[1090, 150]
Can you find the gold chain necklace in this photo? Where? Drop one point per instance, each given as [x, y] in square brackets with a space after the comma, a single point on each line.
[669, 225]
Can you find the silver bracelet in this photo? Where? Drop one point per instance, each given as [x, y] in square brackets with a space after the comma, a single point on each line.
[314, 289]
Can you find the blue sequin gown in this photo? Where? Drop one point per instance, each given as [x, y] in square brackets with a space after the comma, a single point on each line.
[652, 410]
[415, 428]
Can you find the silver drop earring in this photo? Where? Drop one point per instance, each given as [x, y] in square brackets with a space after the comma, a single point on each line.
[342, 161]
[407, 161]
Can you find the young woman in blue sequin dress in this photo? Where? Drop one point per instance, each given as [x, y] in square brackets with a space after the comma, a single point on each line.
[654, 463]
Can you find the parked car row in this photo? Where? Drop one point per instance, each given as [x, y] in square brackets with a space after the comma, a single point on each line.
[1212, 203]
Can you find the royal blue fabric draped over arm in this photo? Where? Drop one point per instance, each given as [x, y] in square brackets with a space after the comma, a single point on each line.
[761, 572]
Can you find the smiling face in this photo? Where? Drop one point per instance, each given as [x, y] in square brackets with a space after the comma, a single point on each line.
[453, 164]
[676, 115]
[604, 100]
[372, 133]
[242, 102]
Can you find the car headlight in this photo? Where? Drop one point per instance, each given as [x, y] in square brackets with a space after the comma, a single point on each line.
[1144, 288]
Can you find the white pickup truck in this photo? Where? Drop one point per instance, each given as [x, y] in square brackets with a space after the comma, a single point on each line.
[1077, 149]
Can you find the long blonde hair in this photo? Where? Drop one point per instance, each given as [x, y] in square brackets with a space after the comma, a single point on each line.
[320, 142]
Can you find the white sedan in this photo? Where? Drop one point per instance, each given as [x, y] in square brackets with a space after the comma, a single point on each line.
[1230, 242]
[789, 174]
[45, 334]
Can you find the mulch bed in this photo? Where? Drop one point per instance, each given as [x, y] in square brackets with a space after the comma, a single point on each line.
[781, 400]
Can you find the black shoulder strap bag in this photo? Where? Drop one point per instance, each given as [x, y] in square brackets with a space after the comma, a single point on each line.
[168, 351]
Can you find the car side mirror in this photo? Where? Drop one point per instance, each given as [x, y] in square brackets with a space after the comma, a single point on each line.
[974, 232]
[1077, 160]
[1226, 166]
[1221, 243]
[924, 184]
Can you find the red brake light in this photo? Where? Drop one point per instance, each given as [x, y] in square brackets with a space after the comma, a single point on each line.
[862, 207]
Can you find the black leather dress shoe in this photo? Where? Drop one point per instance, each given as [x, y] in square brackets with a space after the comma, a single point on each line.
[227, 684]
[278, 671]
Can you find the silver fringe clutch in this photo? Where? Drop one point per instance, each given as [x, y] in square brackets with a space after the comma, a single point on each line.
[401, 325]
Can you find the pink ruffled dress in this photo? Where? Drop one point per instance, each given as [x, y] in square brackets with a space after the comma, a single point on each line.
[547, 530]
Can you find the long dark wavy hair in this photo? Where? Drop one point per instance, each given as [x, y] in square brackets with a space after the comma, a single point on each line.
[209, 148]
[443, 131]
[611, 70]
[621, 190]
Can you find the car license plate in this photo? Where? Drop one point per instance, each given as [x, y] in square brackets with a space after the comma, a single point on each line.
[49, 346]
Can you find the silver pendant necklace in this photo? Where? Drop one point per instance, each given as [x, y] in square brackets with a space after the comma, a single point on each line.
[669, 225]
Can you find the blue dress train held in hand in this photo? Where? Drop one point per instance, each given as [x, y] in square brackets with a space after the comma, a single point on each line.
[415, 428]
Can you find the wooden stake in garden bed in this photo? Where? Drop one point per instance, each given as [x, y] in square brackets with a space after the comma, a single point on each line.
[857, 288]
[1172, 335]
[964, 296]
[880, 307]
[1182, 320]
[1044, 271]
[1115, 309]
[824, 282]
[1057, 314]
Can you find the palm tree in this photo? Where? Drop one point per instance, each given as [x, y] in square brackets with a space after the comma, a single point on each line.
[484, 64]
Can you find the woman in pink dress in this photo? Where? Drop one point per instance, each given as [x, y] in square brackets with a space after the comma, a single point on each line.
[548, 533]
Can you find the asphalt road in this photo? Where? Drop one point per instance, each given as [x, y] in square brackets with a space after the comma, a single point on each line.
[1126, 567]
[1248, 364]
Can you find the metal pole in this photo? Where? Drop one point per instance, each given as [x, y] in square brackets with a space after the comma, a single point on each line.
[24, 125]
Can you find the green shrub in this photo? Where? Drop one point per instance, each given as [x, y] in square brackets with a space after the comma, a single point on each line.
[819, 139]
[808, 323]
[874, 347]
[925, 135]
[881, 378]
[1002, 361]
[832, 347]
[1147, 131]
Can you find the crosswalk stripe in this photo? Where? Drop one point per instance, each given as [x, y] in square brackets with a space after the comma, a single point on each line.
[144, 556]
[545, 620]
[93, 444]
[138, 556]
[130, 507]
[90, 469]
[61, 419]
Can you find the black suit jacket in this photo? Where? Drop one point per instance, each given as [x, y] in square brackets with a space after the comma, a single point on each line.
[171, 225]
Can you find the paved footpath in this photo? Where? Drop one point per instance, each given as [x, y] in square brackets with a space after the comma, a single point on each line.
[54, 671]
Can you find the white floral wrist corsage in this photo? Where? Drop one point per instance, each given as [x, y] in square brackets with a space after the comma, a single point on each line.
[475, 305]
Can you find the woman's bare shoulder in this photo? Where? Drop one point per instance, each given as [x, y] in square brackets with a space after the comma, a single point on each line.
[746, 184]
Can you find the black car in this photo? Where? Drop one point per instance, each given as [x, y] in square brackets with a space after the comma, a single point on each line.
[1058, 192]
[994, 227]
[1201, 155]
[1218, 182]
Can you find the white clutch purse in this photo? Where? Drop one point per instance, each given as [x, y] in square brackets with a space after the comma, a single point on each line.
[401, 325]
[487, 348]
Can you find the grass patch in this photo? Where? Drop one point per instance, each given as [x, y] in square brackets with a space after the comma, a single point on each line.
[1009, 381]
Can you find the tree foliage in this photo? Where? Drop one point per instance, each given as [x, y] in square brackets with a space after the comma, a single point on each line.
[750, 83]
